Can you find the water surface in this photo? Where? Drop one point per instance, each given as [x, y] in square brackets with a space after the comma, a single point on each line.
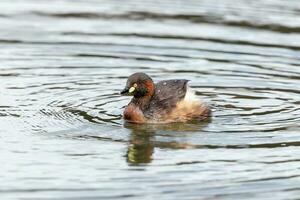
[64, 62]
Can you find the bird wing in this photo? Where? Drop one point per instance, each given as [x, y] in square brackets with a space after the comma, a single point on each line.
[167, 94]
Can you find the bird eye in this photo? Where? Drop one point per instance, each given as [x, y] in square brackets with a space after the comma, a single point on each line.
[135, 85]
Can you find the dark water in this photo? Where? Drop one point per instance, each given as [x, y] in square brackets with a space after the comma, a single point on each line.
[63, 63]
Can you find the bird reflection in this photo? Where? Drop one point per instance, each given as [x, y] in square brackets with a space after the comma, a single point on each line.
[142, 140]
[141, 147]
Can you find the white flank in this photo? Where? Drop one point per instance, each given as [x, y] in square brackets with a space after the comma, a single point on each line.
[190, 95]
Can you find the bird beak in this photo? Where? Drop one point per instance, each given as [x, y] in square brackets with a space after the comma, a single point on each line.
[127, 91]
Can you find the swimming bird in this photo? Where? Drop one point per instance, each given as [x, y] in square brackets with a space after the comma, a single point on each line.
[163, 102]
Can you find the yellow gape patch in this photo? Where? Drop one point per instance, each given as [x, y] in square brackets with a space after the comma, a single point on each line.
[131, 90]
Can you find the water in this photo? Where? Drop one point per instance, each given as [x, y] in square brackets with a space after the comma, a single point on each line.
[64, 62]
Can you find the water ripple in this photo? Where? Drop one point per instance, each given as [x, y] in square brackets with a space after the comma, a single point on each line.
[63, 65]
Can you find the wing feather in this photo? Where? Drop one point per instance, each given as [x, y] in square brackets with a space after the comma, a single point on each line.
[167, 94]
